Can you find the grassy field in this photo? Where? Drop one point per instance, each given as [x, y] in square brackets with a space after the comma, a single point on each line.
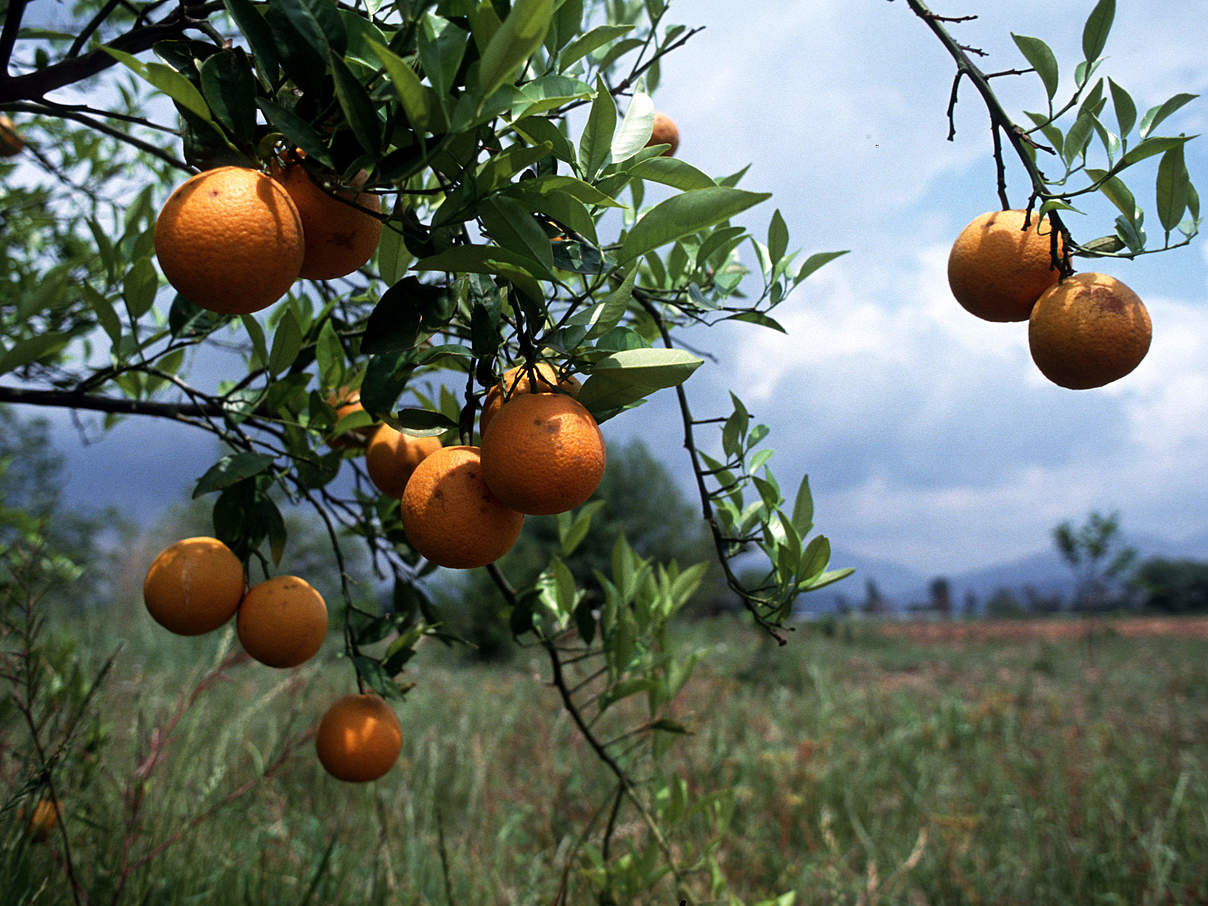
[853, 768]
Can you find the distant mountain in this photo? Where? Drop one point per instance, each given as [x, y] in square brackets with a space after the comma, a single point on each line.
[1043, 574]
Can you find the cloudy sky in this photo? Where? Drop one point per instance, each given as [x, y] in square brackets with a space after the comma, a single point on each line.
[929, 437]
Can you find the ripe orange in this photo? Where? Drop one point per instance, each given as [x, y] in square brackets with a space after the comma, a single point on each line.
[11, 142]
[193, 586]
[282, 621]
[450, 515]
[358, 738]
[665, 132]
[1087, 331]
[392, 457]
[341, 235]
[230, 240]
[997, 270]
[543, 453]
[518, 380]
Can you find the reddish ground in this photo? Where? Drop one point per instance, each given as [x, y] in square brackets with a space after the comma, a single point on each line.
[1048, 630]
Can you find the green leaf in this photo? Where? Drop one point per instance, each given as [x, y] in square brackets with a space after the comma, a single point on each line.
[1098, 26]
[1173, 188]
[421, 421]
[441, 48]
[166, 79]
[630, 375]
[317, 23]
[1041, 58]
[394, 323]
[329, 355]
[1078, 137]
[1114, 189]
[297, 130]
[683, 215]
[671, 171]
[287, 343]
[589, 41]
[31, 349]
[259, 36]
[511, 225]
[479, 259]
[574, 525]
[393, 256]
[595, 144]
[230, 89]
[1155, 115]
[521, 34]
[106, 315]
[256, 333]
[1126, 109]
[358, 108]
[139, 287]
[1149, 147]
[232, 468]
[407, 85]
[778, 237]
[613, 307]
[538, 130]
[635, 128]
[803, 508]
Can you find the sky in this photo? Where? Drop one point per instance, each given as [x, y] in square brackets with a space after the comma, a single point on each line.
[929, 437]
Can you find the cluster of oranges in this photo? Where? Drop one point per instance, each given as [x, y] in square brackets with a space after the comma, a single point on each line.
[463, 506]
[233, 240]
[196, 585]
[1084, 331]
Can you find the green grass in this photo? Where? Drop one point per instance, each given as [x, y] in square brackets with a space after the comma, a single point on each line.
[859, 770]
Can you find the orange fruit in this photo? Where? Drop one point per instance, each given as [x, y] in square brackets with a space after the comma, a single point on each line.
[282, 621]
[543, 453]
[450, 515]
[347, 400]
[193, 586]
[1087, 331]
[519, 380]
[997, 270]
[392, 457]
[358, 738]
[43, 818]
[664, 133]
[341, 235]
[230, 240]
[11, 142]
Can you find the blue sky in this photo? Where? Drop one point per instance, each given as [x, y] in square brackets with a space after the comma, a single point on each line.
[929, 437]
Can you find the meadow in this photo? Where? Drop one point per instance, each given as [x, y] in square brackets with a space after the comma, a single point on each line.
[846, 767]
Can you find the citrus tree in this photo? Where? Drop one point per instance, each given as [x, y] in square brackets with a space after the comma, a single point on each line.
[402, 216]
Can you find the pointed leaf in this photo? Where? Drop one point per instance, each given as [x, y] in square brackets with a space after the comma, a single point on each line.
[358, 109]
[407, 85]
[683, 215]
[230, 90]
[1173, 188]
[635, 128]
[1041, 58]
[232, 468]
[1098, 26]
[166, 79]
[1126, 109]
[630, 375]
[1155, 115]
[671, 171]
[521, 34]
[595, 145]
